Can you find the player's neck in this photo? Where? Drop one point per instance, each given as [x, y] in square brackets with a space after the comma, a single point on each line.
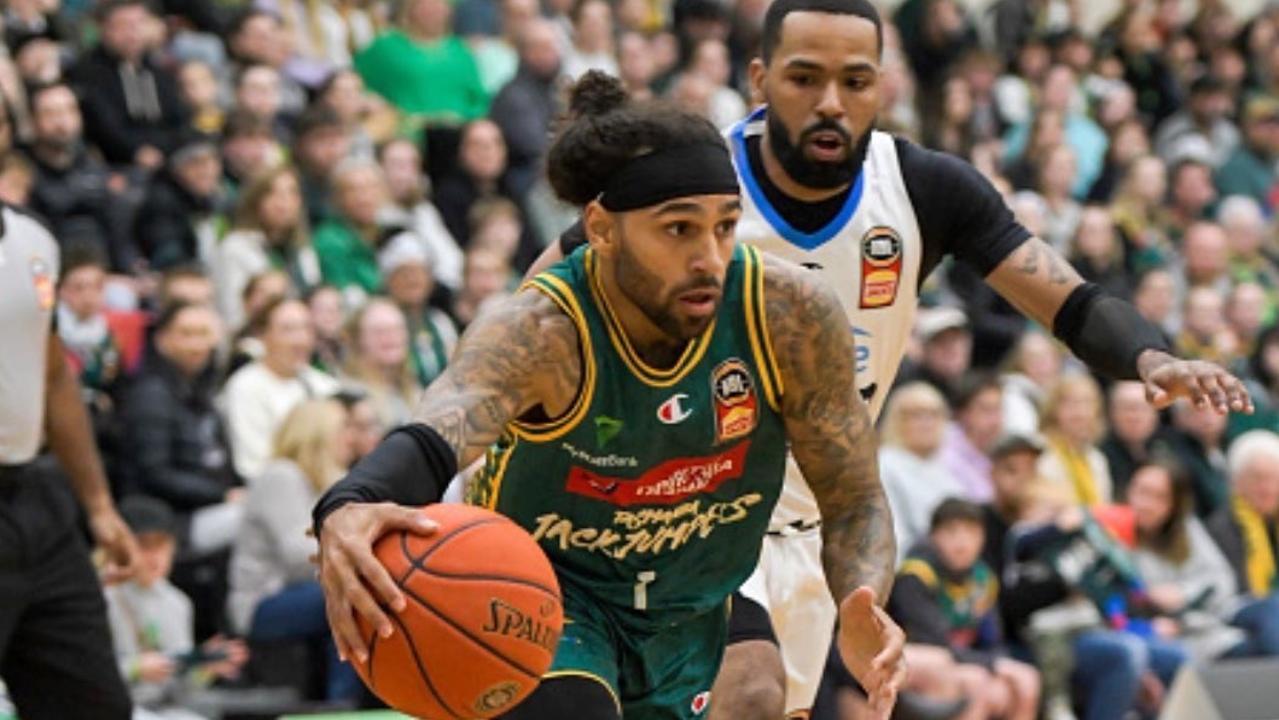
[784, 182]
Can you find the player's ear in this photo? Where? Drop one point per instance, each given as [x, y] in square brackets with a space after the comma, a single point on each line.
[756, 71]
[600, 226]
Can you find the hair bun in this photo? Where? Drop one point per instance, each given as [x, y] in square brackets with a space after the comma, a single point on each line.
[596, 93]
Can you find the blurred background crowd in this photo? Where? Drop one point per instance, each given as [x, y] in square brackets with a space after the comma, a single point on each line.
[276, 216]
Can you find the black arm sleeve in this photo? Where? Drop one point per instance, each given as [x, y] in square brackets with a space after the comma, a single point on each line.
[959, 212]
[411, 466]
[1105, 332]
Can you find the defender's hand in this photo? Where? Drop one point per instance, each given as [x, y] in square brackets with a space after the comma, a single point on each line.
[871, 645]
[1203, 383]
[348, 569]
[119, 546]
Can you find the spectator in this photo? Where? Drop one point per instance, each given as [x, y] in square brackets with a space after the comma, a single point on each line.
[360, 114]
[347, 243]
[268, 231]
[1133, 432]
[1247, 310]
[711, 62]
[1136, 210]
[257, 37]
[185, 283]
[496, 54]
[152, 623]
[38, 58]
[481, 173]
[327, 319]
[1096, 253]
[366, 431]
[945, 598]
[496, 224]
[257, 92]
[934, 35]
[1250, 169]
[947, 348]
[274, 594]
[381, 362]
[1072, 424]
[323, 34]
[1191, 195]
[1015, 89]
[1158, 95]
[1204, 121]
[1205, 257]
[1189, 583]
[249, 146]
[1047, 131]
[1013, 461]
[1204, 333]
[409, 283]
[525, 107]
[1197, 441]
[1128, 141]
[1033, 367]
[979, 420]
[133, 110]
[199, 87]
[74, 191]
[174, 224]
[1251, 260]
[260, 394]
[422, 68]
[913, 470]
[592, 47]
[1155, 298]
[262, 289]
[636, 66]
[320, 143]
[952, 130]
[1245, 529]
[177, 443]
[1056, 178]
[486, 277]
[402, 166]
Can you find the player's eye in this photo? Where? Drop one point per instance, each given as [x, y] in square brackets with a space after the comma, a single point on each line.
[726, 228]
[678, 229]
[804, 80]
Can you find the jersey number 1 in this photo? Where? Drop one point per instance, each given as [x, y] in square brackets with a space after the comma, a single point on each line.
[643, 578]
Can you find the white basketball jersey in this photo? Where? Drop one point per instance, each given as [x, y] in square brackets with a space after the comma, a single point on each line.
[870, 253]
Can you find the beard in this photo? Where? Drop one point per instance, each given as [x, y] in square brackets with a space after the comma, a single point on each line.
[643, 288]
[819, 175]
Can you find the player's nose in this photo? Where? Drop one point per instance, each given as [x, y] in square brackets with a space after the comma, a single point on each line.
[828, 105]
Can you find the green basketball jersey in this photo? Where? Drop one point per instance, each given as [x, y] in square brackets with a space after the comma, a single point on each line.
[653, 491]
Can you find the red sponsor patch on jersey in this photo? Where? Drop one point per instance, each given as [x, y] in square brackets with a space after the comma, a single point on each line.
[881, 267]
[736, 406]
[671, 482]
[701, 701]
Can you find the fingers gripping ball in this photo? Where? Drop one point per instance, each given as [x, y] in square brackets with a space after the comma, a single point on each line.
[482, 620]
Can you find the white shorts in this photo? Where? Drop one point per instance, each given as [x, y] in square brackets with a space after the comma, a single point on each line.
[790, 584]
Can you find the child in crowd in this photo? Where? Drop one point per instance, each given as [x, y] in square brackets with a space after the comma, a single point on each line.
[151, 624]
[945, 599]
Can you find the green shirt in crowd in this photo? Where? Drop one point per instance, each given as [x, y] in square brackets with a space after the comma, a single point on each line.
[438, 79]
[345, 259]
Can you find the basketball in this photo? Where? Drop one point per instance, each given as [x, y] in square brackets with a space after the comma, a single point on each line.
[482, 620]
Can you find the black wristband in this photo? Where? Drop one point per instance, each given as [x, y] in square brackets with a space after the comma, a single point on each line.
[1107, 333]
[411, 466]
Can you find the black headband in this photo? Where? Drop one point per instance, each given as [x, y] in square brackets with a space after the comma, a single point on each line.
[672, 172]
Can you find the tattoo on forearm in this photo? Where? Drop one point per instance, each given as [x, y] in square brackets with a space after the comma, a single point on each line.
[1030, 263]
[829, 429]
[520, 355]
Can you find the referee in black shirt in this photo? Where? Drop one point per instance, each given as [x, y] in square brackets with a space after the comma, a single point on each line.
[56, 656]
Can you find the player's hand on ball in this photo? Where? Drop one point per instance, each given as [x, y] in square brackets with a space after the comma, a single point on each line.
[1203, 383]
[351, 574]
[871, 645]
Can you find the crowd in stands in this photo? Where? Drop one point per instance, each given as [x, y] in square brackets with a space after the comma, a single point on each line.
[276, 217]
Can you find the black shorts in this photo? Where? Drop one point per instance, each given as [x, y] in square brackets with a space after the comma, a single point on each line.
[748, 620]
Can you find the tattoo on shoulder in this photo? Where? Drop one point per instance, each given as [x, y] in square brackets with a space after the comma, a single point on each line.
[829, 427]
[520, 355]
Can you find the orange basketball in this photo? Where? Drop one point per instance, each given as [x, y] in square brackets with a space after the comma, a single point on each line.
[482, 622]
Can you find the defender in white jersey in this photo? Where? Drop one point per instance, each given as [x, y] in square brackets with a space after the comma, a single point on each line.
[874, 215]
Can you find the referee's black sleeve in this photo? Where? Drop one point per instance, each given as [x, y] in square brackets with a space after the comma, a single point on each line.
[959, 212]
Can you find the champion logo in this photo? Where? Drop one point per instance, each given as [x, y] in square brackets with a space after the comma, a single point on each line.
[701, 701]
[673, 412]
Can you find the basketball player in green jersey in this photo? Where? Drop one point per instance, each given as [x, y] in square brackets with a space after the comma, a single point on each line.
[636, 403]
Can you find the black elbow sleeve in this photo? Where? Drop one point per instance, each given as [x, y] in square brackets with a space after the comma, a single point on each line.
[1105, 332]
[411, 466]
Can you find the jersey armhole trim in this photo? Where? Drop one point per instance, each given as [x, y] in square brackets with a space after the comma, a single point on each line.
[757, 329]
[562, 295]
[586, 674]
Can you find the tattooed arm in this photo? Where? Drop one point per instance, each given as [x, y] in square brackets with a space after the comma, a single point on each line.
[521, 356]
[832, 440]
[517, 357]
[1035, 280]
[829, 429]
